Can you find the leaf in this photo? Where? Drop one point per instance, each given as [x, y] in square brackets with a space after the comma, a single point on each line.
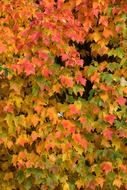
[117, 182]
[95, 77]
[110, 119]
[106, 167]
[81, 140]
[28, 183]
[2, 47]
[100, 181]
[22, 140]
[123, 82]
[96, 36]
[121, 101]
[73, 109]
[79, 183]
[103, 20]
[8, 176]
[69, 126]
[79, 79]
[107, 133]
[66, 186]
[107, 33]
[66, 81]
[28, 67]
[20, 176]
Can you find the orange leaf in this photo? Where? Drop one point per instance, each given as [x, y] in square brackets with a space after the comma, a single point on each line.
[21, 140]
[66, 81]
[2, 48]
[100, 181]
[125, 90]
[107, 33]
[8, 176]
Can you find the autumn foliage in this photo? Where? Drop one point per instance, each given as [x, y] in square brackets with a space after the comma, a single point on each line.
[63, 94]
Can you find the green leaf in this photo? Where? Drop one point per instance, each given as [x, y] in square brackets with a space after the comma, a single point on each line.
[35, 91]
[91, 70]
[71, 99]
[78, 88]
[20, 176]
[120, 52]
[28, 183]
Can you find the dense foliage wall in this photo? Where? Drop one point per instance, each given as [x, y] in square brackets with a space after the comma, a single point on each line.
[63, 90]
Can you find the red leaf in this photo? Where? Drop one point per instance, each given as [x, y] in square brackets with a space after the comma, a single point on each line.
[82, 141]
[121, 101]
[58, 134]
[73, 109]
[66, 81]
[103, 20]
[56, 38]
[46, 72]
[64, 57]
[110, 118]
[28, 67]
[106, 167]
[79, 62]
[82, 120]
[80, 80]
[107, 133]
[69, 126]
[9, 108]
[43, 55]
[35, 36]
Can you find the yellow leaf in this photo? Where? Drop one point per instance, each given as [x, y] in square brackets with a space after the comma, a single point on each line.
[117, 182]
[66, 186]
[100, 181]
[116, 143]
[104, 96]
[79, 183]
[105, 143]
[96, 36]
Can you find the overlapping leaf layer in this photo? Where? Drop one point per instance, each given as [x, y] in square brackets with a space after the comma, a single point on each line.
[63, 94]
